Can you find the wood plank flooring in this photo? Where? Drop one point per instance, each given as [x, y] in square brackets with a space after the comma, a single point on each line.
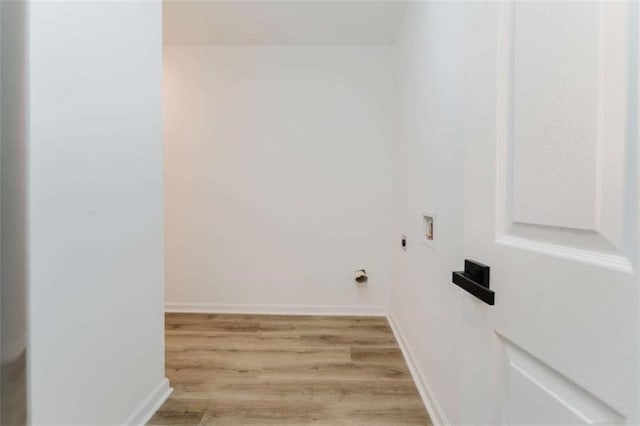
[286, 370]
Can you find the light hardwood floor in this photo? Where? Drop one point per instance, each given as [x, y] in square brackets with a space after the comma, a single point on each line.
[286, 370]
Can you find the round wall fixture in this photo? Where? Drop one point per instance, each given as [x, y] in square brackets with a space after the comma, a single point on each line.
[361, 276]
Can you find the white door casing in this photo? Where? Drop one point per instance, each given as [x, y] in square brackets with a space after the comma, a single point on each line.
[551, 205]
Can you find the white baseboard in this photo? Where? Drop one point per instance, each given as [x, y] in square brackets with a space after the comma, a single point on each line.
[436, 413]
[356, 310]
[150, 405]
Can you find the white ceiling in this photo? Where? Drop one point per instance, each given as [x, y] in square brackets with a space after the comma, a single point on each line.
[281, 22]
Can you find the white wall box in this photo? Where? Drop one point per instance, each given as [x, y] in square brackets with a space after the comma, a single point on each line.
[428, 228]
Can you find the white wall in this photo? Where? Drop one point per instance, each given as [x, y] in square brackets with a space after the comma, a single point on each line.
[278, 177]
[95, 210]
[428, 175]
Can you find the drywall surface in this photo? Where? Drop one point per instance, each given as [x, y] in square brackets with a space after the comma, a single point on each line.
[13, 180]
[278, 177]
[428, 176]
[344, 22]
[95, 210]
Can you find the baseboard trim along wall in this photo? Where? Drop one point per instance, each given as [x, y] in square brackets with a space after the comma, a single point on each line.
[204, 308]
[150, 405]
[435, 410]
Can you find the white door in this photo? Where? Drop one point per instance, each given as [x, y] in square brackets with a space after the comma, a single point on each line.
[551, 205]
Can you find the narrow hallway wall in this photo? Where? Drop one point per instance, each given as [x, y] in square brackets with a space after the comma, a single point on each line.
[95, 205]
[428, 176]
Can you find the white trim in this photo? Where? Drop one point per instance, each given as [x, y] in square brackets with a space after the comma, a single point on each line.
[211, 308]
[438, 417]
[150, 405]
[610, 261]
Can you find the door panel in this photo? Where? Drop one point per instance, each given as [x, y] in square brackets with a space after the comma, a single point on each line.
[550, 184]
[537, 394]
[564, 107]
[554, 74]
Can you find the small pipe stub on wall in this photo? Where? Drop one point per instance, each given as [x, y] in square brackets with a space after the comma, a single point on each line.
[361, 276]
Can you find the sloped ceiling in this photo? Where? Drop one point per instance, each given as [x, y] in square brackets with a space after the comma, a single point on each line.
[282, 22]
